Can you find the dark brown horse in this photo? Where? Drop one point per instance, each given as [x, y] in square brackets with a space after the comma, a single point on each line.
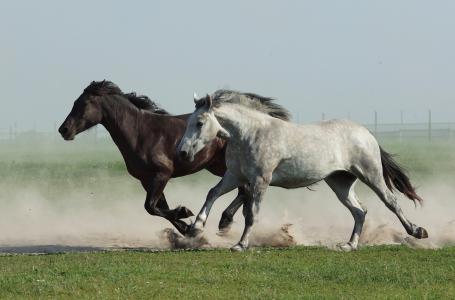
[147, 136]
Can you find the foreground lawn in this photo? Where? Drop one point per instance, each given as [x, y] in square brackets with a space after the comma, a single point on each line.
[302, 272]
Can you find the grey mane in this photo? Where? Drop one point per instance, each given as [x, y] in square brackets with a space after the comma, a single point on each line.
[254, 101]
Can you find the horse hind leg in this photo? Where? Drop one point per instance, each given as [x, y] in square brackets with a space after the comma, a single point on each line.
[376, 182]
[342, 183]
[390, 200]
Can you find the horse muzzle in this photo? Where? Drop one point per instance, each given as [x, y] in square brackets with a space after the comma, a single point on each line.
[186, 156]
[66, 133]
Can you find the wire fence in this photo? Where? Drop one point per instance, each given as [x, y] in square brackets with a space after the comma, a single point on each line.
[422, 131]
[397, 131]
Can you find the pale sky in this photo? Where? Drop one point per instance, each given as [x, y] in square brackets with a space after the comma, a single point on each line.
[338, 57]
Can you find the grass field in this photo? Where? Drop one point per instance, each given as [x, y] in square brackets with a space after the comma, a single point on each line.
[66, 172]
[373, 272]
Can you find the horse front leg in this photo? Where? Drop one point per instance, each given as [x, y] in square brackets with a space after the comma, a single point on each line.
[156, 204]
[227, 216]
[251, 208]
[180, 225]
[227, 184]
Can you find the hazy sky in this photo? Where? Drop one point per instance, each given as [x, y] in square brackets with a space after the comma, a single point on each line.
[337, 57]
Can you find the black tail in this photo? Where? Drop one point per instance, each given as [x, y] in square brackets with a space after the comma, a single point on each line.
[395, 177]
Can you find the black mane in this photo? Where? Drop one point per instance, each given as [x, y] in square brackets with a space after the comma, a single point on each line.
[104, 88]
[144, 102]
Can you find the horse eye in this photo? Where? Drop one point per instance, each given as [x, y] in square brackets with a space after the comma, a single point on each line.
[199, 124]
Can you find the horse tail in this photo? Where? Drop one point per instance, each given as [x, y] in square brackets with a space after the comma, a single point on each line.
[395, 177]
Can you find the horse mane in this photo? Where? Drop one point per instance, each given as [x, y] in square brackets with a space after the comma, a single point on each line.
[254, 101]
[105, 88]
[144, 102]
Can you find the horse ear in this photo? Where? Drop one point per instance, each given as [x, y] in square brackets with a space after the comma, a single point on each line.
[195, 98]
[198, 102]
[208, 101]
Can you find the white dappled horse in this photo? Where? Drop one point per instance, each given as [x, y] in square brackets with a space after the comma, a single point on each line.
[264, 149]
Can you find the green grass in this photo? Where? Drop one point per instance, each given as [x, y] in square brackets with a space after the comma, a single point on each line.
[63, 167]
[80, 160]
[372, 272]
[422, 158]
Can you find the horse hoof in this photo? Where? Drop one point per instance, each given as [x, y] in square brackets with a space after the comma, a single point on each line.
[238, 248]
[183, 212]
[420, 233]
[224, 230]
[345, 247]
[225, 223]
[193, 232]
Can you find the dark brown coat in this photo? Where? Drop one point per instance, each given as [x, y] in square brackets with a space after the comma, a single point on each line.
[147, 137]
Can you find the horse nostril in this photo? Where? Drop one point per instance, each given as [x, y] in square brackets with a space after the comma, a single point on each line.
[63, 130]
[183, 154]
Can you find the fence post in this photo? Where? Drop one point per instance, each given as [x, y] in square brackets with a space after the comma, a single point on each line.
[401, 125]
[54, 134]
[429, 125]
[15, 131]
[323, 116]
[451, 130]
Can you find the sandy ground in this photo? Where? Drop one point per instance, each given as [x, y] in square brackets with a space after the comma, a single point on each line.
[31, 224]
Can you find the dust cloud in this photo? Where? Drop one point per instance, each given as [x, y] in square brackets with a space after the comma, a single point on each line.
[83, 219]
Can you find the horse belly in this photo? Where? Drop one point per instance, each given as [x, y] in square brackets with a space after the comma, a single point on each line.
[291, 176]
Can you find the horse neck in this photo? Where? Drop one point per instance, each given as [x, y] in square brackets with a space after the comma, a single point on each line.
[240, 121]
[121, 119]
